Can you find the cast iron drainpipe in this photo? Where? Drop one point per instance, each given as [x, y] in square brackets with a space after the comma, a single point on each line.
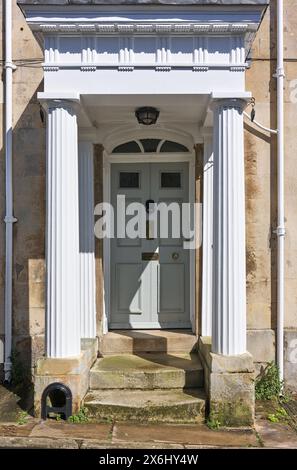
[9, 218]
[280, 231]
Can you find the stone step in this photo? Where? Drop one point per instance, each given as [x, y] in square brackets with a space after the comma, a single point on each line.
[134, 341]
[147, 372]
[167, 406]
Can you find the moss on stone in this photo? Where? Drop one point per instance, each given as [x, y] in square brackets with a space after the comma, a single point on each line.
[235, 413]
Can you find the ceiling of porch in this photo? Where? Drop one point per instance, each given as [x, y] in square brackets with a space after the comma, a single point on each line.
[104, 112]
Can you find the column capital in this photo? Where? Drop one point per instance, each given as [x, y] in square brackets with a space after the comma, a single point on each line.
[69, 101]
[226, 100]
[68, 105]
[228, 103]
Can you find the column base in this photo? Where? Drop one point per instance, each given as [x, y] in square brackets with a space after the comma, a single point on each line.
[72, 372]
[229, 384]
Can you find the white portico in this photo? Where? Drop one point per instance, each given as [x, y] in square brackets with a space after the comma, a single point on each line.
[101, 63]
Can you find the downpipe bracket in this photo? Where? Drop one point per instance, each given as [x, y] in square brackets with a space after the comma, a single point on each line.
[10, 65]
[10, 219]
[280, 232]
[279, 73]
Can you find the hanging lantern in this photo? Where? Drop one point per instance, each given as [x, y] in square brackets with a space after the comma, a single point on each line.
[147, 116]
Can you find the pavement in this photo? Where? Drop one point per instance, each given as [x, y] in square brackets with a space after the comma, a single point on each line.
[20, 430]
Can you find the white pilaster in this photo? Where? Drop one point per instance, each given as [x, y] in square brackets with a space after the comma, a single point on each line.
[229, 272]
[86, 240]
[62, 232]
[207, 234]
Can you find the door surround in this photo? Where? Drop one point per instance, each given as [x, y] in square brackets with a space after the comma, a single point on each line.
[108, 159]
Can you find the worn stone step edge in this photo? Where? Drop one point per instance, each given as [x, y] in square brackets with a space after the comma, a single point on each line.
[160, 379]
[190, 411]
[141, 347]
[126, 344]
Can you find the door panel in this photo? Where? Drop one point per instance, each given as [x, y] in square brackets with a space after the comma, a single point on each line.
[150, 277]
[171, 292]
[170, 184]
[129, 287]
[130, 241]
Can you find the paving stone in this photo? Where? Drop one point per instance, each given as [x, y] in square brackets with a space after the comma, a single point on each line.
[68, 430]
[11, 430]
[37, 443]
[199, 435]
[94, 444]
[276, 435]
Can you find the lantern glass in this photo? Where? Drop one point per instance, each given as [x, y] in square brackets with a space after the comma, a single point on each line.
[147, 116]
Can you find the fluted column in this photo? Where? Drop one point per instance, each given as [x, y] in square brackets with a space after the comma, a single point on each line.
[62, 232]
[86, 240]
[229, 272]
[207, 234]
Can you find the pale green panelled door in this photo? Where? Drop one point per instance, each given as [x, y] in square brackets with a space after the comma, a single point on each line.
[150, 277]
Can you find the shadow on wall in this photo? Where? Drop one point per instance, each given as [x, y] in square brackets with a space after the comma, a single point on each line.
[29, 234]
[28, 315]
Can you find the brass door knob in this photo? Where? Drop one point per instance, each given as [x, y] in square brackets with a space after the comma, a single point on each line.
[175, 256]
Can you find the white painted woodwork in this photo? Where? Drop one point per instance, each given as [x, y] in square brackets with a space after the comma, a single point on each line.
[87, 286]
[89, 45]
[115, 63]
[229, 271]
[62, 232]
[145, 158]
[145, 82]
[150, 294]
[207, 240]
[90, 52]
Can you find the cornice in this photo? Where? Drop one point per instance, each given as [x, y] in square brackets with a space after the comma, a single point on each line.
[141, 28]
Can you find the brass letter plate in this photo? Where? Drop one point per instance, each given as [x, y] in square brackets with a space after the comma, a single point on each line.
[150, 256]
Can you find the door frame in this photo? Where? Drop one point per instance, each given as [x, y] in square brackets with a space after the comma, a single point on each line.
[108, 159]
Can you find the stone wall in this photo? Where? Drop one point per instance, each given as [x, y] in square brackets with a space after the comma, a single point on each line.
[261, 191]
[261, 184]
[29, 196]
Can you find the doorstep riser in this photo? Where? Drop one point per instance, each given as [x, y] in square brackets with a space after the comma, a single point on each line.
[129, 346]
[185, 413]
[146, 381]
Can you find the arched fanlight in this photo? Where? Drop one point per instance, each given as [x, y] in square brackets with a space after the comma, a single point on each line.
[147, 115]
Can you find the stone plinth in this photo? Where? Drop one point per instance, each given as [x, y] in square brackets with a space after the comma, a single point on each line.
[229, 384]
[73, 372]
